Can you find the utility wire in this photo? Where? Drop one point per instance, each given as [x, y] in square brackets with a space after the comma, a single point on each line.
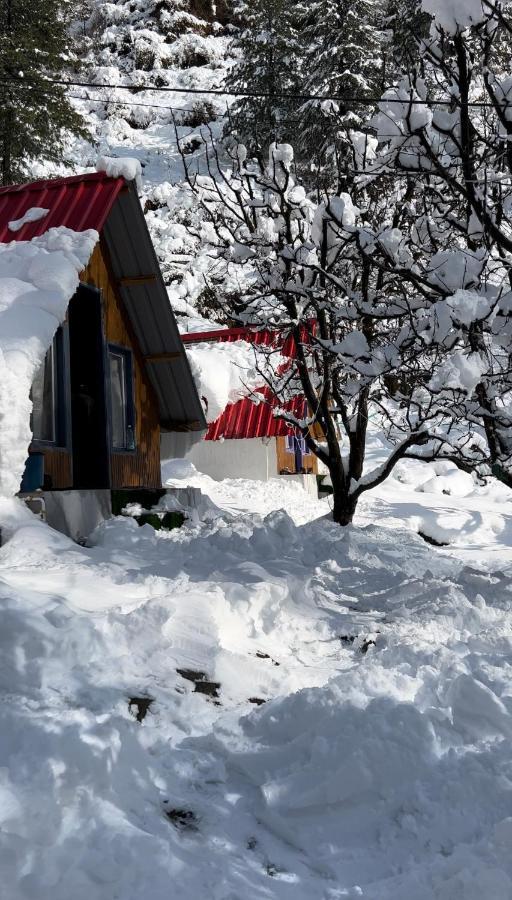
[106, 101]
[221, 92]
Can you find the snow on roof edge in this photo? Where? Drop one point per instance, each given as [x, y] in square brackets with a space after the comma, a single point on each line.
[37, 280]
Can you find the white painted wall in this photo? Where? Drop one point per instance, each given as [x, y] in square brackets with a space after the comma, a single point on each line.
[253, 458]
[250, 458]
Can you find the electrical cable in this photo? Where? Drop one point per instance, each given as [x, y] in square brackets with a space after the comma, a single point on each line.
[222, 92]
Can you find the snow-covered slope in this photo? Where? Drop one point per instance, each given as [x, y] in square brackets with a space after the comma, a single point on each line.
[331, 712]
[158, 44]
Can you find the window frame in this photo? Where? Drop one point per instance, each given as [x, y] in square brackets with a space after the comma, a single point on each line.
[61, 417]
[126, 353]
[290, 445]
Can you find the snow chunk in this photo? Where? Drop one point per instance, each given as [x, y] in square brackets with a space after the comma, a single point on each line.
[459, 372]
[32, 215]
[353, 344]
[476, 710]
[340, 213]
[37, 280]
[468, 307]
[401, 113]
[177, 470]
[280, 153]
[224, 373]
[454, 270]
[126, 167]
[364, 146]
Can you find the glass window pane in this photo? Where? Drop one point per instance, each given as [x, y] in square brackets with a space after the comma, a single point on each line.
[118, 399]
[43, 400]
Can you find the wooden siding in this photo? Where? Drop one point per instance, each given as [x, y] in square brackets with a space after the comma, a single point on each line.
[58, 467]
[286, 460]
[141, 467]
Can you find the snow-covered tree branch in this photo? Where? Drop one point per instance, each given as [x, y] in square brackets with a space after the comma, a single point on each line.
[371, 333]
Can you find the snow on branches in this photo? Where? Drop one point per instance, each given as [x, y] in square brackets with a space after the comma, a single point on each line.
[445, 142]
[397, 289]
[335, 276]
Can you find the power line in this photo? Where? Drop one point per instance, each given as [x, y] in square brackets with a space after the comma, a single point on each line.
[106, 101]
[221, 92]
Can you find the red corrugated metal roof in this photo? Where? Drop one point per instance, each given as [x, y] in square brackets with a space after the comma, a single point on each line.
[79, 202]
[246, 419]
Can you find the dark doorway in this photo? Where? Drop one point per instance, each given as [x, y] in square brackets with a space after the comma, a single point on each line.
[88, 403]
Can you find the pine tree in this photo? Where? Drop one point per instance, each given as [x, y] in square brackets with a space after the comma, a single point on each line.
[407, 25]
[343, 58]
[267, 47]
[35, 114]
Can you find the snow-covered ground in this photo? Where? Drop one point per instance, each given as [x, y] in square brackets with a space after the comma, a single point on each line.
[325, 714]
[331, 710]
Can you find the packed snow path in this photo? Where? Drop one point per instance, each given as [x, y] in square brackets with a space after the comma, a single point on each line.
[330, 715]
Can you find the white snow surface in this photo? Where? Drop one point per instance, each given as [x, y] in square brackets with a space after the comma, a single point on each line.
[382, 774]
[225, 372]
[32, 215]
[37, 280]
[379, 765]
[126, 167]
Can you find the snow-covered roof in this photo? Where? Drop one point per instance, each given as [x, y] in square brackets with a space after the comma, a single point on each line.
[221, 376]
[48, 231]
[79, 203]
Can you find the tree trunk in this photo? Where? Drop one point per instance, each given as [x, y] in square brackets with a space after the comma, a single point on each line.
[6, 166]
[344, 504]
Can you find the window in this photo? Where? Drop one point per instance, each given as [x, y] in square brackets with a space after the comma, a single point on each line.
[294, 441]
[47, 395]
[122, 411]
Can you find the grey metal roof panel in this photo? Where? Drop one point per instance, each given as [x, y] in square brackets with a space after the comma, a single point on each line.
[133, 256]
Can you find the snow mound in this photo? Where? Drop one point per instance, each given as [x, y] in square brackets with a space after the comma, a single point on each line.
[37, 280]
[225, 372]
[32, 215]
[177, 470]
[355, 741]
[126, 167]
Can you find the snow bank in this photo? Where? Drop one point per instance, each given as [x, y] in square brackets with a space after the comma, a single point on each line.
[37, 280]
[225, 372]
[358, 744]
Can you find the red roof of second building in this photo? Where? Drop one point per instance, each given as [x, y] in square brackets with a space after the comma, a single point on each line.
[79, 203]
[246, 419]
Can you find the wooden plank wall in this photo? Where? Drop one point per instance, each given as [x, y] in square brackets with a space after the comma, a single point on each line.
[139, 468]
[58, 467]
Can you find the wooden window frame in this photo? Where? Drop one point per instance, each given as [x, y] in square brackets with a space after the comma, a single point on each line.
[131, 412]
[62, 400]
[289, 438]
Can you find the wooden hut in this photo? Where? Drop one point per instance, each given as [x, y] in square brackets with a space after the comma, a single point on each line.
[116, 375]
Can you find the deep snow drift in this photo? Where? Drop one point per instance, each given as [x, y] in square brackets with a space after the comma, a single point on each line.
[331, 711]
[37, 280]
